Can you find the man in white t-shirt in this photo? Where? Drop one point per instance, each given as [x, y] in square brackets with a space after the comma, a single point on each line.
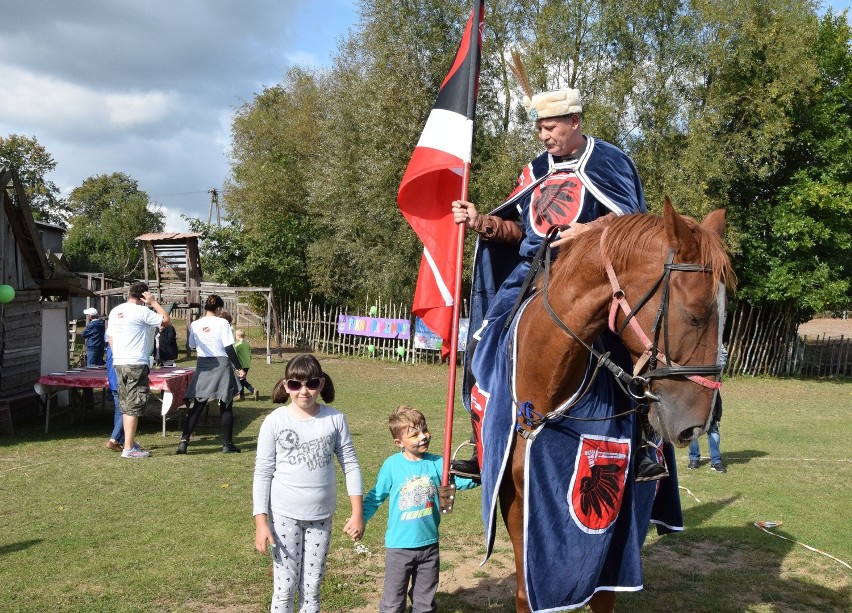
[129, 331]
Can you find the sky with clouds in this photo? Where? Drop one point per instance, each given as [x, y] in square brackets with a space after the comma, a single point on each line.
[149, 87]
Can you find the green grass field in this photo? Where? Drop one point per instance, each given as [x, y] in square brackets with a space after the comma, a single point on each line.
[84, 530]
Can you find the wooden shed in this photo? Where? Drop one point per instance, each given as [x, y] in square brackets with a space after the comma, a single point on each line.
[39, 311]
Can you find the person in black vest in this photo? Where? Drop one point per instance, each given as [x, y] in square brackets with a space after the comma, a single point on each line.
[166, 346]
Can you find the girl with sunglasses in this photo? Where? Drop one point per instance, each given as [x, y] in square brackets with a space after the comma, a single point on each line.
[295, 486]
[211, 337]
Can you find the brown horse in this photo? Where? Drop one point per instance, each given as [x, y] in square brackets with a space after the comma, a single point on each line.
[662, 295]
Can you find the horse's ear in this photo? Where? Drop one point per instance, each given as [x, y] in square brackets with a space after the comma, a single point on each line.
[715, 222]
[678, 232]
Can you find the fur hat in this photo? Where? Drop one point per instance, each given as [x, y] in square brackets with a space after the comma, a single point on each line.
[553, 104]
[90, 311]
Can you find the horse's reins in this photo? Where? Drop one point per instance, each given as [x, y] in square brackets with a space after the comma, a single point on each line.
[652, 355]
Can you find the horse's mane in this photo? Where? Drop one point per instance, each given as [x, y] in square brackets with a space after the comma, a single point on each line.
[631, 235]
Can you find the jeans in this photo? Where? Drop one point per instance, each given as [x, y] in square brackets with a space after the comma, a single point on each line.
[117, 422]
[712, 442]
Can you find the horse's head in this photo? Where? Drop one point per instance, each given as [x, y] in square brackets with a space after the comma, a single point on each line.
[669, 277]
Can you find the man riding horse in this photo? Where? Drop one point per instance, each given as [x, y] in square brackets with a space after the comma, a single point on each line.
[577, 180]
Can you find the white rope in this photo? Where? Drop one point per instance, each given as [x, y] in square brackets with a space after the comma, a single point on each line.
[765, 525]
[776, 458]
[686, 489]
[6, 470]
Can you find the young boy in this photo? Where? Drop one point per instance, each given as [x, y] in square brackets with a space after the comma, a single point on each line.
[243, 349]
[411, 479]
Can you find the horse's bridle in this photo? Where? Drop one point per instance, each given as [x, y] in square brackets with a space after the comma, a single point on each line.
[652, 355]
[638, 384]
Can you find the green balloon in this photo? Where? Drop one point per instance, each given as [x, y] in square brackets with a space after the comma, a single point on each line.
[400, 351]
[373, 310]
[371, 349]
[7, 294]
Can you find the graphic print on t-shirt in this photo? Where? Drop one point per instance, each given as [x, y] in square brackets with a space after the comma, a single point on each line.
[312, 454]
[416, 497]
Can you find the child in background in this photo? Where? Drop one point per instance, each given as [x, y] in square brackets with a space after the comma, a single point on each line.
[243, 350]
[411, 480]
[295, 486]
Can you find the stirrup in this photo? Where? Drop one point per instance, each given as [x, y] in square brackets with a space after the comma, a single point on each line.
[465, 468]
[647, 469]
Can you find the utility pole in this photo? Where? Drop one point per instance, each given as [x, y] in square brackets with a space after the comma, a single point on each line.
[214, 201]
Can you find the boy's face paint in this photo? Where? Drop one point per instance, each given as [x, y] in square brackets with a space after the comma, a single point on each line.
[414, 443]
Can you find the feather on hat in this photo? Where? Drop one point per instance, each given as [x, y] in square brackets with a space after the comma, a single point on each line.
[546, 104]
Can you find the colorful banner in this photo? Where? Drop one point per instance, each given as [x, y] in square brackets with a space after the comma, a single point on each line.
[380, 327]
[424, 338]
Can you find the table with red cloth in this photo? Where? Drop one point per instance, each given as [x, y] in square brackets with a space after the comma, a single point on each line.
[172, 381]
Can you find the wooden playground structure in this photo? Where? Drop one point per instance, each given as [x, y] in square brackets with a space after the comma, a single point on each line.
[172, 270]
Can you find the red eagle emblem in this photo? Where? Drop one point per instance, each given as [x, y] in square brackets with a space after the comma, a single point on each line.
[597, 486]
[206, 330]
[556, 202]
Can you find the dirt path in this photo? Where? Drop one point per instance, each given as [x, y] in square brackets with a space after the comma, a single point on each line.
[480, 588]
[830, 327]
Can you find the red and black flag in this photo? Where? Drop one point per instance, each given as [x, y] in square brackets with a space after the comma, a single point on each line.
[434, 178]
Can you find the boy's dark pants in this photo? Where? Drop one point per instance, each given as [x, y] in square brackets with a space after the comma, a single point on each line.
[419, 567]
[244, 384]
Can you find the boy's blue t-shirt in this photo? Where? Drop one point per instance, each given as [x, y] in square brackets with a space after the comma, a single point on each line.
[414, 511]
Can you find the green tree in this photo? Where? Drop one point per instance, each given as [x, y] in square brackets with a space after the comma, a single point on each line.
[275, 145]
[232, 256]
[797, 236]
[720, 104]
[108, 213]
[33, 162]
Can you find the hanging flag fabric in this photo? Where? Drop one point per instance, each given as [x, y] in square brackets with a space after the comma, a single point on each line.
[433, 180]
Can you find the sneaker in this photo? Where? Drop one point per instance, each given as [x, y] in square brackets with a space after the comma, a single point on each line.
[256, 395]
[242, 396]
[182, 447]
[134, 454]
[693, 464]
[230, 448]
[111, 444]
[718, 467]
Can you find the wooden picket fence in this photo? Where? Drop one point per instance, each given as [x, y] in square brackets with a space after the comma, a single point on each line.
[761, 341]
[313, 326]
[765, 341]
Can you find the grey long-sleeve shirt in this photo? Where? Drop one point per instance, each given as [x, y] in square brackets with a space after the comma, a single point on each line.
[294, 472]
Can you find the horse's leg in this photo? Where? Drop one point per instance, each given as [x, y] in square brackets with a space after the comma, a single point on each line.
[512, 508]
[603, 602]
